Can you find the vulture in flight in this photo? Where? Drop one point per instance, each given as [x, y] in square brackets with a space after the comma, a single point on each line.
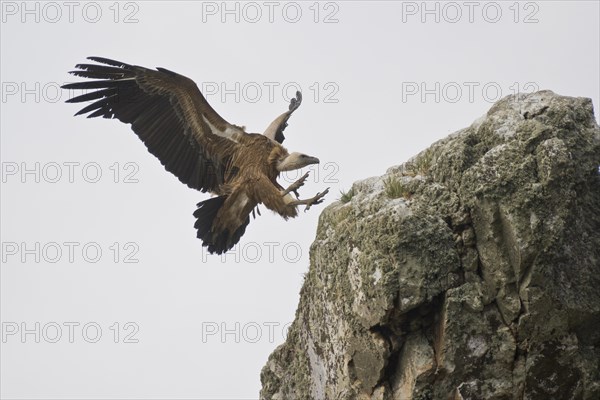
[171, 116]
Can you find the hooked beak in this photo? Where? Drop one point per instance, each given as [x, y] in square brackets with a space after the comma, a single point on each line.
[313, 160]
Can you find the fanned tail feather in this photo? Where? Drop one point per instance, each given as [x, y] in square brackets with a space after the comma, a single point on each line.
[217, 241]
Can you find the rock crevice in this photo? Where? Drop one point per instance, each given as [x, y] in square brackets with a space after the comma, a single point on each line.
[469, 272]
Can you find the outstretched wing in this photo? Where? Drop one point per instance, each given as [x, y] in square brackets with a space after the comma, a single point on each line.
[168, 113]
[276, 128]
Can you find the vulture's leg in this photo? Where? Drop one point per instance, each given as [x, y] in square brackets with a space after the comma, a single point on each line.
[295, 186]
[317, 199]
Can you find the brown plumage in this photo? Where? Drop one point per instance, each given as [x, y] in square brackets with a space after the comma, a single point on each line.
[171, 116]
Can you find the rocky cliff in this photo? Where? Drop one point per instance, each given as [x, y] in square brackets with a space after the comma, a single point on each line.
[470, 272]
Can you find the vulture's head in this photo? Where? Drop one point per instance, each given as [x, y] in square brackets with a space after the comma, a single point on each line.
[296, 161]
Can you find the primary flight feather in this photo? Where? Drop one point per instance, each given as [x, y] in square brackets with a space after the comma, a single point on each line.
[171, 116]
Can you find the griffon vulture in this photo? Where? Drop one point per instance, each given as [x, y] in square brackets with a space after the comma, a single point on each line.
[171, 116]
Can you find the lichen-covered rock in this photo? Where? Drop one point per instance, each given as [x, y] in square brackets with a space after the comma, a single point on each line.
[470, 272]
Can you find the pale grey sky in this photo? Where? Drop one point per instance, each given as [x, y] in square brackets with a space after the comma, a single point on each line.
[381, 81]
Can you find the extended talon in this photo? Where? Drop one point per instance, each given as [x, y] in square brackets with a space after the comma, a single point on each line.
[317, 199]
[296, 185]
